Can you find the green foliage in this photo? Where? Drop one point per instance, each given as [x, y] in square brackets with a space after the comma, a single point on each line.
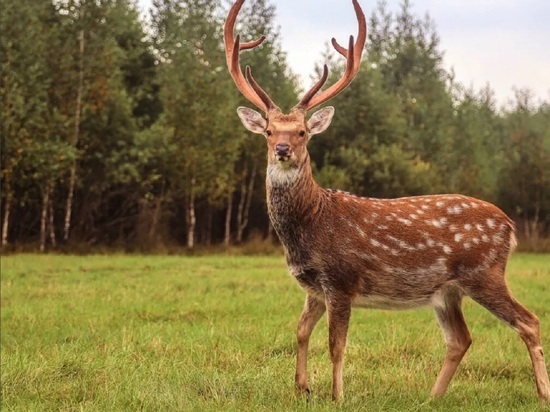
[527, 163]
[217, 333]
[143, 116]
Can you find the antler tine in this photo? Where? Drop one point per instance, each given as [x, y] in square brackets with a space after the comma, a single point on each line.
[232, 49]
[252, 44]
[307, 97]
[353, 56]
[259, 91]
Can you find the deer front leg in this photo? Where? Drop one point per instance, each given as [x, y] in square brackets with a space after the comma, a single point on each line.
[312, 312]
[339, 311]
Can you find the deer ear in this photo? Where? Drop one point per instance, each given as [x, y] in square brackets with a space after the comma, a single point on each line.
[252, 120]
[320, 120]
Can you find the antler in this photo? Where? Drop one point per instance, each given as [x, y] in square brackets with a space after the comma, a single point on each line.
[250, 89]
[353, 56]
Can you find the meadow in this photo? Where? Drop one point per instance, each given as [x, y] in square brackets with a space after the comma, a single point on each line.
[217, 333]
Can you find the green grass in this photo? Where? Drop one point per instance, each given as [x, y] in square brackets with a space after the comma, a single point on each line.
[216, 333]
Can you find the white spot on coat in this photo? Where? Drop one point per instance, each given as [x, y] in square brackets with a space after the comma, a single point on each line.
[454, 210]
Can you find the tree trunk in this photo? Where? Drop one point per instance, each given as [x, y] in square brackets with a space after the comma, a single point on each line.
[156, 213]
[191, 219]
[51, 224]
[208, 233]
[44, 216]
[7, 209]
[245, 201]
[229, 210]
[76, 133]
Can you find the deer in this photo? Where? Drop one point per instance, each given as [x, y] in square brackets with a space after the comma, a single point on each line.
[348, 251]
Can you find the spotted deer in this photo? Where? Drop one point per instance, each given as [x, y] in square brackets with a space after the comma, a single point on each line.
[347, 251]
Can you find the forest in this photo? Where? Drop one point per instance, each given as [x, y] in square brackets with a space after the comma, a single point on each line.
[119, 130]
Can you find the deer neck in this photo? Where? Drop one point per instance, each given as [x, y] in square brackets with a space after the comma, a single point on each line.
[293, 198]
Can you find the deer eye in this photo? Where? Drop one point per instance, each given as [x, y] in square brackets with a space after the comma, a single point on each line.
[268, 132]
[302, 133]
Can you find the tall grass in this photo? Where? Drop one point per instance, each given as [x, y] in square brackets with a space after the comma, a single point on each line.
[216, 333]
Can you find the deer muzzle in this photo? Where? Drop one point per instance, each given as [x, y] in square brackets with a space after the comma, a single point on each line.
[282, 150]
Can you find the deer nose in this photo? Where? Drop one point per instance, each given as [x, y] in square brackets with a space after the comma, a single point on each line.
[282, 149]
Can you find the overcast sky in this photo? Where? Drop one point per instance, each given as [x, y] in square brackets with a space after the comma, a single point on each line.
[505, 43]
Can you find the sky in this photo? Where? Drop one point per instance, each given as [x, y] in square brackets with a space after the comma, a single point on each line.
[503, 43]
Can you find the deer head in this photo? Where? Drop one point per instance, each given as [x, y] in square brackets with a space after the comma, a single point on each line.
[287, 134]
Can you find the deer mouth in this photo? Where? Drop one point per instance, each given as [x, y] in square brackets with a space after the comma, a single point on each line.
[283, 158]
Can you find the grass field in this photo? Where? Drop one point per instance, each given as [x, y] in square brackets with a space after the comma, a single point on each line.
[216, 333]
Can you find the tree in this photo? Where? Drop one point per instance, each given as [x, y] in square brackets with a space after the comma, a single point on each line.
[194, 94]
[394, 118]
[525, 176]
[97, 98]
[33, 151]
[473, 148]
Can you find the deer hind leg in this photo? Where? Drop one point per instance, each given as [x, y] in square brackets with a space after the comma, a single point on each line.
[339, 312]
[312, 312]
[457, 337]
[496, 297]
